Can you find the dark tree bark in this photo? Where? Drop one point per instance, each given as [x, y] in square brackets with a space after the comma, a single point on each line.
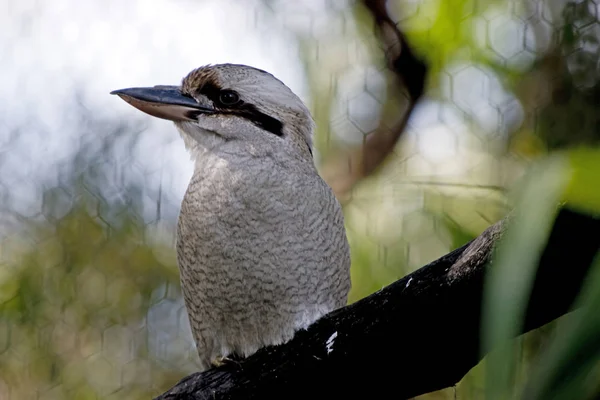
[420, 334]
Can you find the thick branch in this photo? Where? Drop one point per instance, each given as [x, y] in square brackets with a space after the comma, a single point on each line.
[415, 336]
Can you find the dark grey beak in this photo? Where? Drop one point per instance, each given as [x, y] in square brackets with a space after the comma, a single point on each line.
[166, 102]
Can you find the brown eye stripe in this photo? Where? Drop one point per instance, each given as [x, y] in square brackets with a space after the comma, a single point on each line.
[245, 110]
[205, 81]
[251, 113]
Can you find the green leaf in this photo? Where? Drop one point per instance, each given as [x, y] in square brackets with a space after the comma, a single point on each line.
[569, 369]
[509, 282]
[583, 190]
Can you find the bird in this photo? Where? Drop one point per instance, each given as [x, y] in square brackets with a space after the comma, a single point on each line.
[261, 243]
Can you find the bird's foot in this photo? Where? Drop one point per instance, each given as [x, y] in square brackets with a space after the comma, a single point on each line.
[223, 360]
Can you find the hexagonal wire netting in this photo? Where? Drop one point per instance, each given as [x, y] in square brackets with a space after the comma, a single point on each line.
[90, 304]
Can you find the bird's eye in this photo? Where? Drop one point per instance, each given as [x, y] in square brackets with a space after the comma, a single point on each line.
[228, 97]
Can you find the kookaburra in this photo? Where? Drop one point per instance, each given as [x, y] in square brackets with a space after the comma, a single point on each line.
[261, 245]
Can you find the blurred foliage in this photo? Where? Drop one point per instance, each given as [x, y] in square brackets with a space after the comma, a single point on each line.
[509, 283]
[73, 301]
[568, 368]
[89, 295]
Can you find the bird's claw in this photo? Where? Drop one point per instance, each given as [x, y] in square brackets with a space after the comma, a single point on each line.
[220, 361]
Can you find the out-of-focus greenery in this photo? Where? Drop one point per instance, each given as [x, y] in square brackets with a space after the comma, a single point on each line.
[90, 305]
[73, 304]
[510, 281]
[568, 368]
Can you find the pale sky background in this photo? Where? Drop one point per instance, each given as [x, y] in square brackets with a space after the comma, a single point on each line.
[52, 48]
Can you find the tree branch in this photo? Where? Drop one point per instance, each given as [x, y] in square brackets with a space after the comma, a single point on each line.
[345, 170]
[420, 334]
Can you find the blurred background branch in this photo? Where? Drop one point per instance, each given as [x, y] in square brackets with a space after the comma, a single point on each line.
[346, 170]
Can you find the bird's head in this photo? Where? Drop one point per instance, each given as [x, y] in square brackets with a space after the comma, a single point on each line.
[227, 103]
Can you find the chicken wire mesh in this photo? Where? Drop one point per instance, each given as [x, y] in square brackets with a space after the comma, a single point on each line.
[90, 305]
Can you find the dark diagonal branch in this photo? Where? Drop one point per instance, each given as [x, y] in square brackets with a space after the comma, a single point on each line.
[415, 336]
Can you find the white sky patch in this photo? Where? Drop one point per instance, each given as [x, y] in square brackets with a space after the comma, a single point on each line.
[330, 341]
[438, 143]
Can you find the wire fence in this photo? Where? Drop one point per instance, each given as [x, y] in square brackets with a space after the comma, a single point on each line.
[90, 304]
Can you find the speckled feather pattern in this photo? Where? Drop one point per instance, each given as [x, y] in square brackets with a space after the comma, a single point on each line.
[261, 243]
